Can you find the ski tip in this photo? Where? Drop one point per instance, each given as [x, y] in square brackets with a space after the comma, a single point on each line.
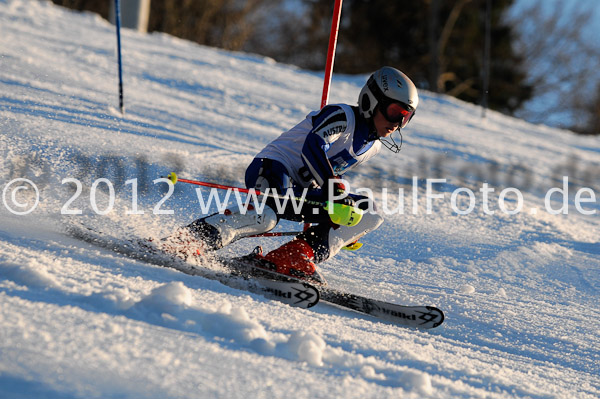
[435, 317]
[173, 177]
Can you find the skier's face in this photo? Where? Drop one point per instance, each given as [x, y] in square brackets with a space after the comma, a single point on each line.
[384, 127]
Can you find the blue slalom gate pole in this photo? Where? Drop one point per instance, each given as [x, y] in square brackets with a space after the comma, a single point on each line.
[118, 25]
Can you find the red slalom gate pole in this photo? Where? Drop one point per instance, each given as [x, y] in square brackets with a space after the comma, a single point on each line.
[333, 35]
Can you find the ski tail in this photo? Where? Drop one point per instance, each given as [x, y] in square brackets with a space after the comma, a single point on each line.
[294, 293]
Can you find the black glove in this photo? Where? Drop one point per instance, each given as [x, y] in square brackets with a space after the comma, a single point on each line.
[340, 190]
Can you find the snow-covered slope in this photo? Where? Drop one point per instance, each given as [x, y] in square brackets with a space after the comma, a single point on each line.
[521, 291]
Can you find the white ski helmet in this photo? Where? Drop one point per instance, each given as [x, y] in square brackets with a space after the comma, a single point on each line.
[385, 87]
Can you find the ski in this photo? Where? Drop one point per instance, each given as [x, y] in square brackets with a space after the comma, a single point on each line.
[245, 273]
[417, 316]
[292, 292]
[410, 316]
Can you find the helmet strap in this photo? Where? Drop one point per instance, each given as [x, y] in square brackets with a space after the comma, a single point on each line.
[391, 144]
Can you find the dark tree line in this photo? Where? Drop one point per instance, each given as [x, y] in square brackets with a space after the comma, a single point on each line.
[562, 62]
[101, 7]
[228, 24]
[438, 43]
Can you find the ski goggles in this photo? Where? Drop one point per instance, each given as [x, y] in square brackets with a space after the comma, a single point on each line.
[397, 112]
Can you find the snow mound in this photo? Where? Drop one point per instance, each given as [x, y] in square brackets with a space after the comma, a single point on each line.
[234, 323]
[307, 347]
[29, 273]
[168, 298]
[416, 380]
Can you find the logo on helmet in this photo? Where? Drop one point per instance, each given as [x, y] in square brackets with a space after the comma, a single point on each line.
[384, 82]
[399, 83]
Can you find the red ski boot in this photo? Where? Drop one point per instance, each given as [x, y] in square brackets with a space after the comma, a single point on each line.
[295, 259]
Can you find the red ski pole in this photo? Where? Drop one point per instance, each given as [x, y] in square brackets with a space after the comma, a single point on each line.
[338, 213]
[175, 179]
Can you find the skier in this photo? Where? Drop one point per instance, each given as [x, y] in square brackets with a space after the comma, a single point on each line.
[312, 156]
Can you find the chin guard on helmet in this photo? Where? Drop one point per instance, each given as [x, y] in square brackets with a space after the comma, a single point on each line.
[391, 144]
